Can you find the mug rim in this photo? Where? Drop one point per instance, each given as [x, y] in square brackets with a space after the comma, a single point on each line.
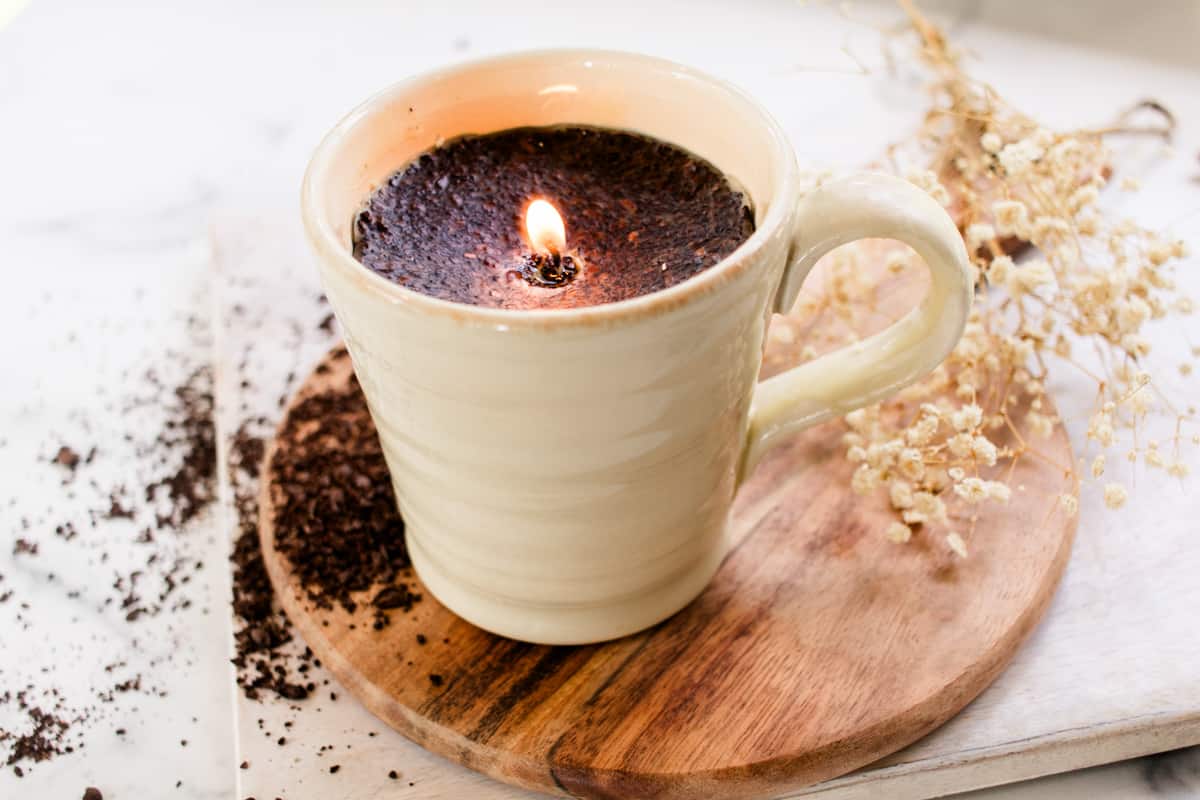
[323, 238]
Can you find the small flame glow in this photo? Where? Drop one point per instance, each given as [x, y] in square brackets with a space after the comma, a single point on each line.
[545, 229]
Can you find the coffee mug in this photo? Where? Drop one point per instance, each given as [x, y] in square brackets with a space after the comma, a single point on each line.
[565, 476]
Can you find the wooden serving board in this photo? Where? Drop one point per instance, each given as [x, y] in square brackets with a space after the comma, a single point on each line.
[819, 647]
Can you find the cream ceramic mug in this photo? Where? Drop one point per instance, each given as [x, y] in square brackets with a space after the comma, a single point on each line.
[566, 475]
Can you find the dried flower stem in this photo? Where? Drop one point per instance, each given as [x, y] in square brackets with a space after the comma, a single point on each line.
[948, 445]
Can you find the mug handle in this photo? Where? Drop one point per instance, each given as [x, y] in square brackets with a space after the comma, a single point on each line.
[860, 206]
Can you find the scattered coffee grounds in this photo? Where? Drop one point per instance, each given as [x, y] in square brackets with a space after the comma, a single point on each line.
[191, 433]
[47, 736]
[22, 546]
[400, 597]
[272, 665]
[335, 516]
[66, 457]
[640, 215]
[116, 510]
[263, 628]
[173, 463]
[92, 793]
[267, 663]
[335, 520]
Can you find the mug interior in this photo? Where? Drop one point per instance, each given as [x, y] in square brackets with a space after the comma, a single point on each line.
[623, 91]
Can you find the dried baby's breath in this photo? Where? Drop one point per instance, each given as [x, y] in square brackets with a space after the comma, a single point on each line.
[1056, 274]
[1115, 495]
[899, 532]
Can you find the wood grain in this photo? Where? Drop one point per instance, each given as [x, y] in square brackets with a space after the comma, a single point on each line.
[819, 647]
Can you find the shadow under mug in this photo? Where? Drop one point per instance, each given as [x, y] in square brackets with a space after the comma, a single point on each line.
[565, 476]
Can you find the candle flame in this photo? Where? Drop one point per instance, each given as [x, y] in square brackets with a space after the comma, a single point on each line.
[545, 229]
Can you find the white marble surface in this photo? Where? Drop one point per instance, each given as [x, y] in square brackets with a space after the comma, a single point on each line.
[69, 634]
[103, 256]
[158, 116]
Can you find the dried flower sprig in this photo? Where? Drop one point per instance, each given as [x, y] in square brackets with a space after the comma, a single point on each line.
[1055, 275]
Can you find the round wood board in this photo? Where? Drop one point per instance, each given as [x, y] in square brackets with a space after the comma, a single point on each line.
[819, 647]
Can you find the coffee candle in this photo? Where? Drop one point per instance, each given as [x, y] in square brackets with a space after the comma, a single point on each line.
[550, 218]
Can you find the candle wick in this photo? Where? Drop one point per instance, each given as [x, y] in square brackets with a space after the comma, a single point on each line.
[549, 270]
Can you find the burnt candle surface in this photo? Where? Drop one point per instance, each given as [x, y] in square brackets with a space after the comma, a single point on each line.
[640, 215]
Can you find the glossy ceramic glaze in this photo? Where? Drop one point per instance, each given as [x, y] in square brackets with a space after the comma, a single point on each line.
[566, 475]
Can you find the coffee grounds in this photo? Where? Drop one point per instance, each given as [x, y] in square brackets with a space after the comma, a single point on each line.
[335, 516]
[400, 597]
[23, 546]
[335, 520]
[641, 215]
[66, 457]
[175, 466]
[263, 628]
[191, 432]
[46, 735]
[92, 793]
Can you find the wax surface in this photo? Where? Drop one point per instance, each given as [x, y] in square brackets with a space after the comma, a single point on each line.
[640, 214]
